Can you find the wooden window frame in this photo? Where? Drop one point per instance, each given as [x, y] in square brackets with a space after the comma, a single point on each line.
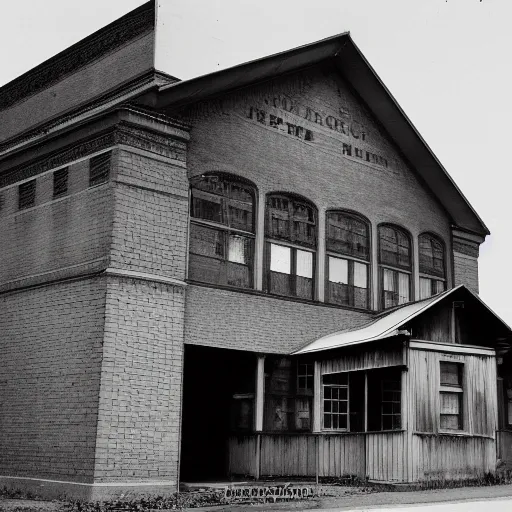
[397, 269]
[392, 415]
[305, 370]
[455, 390]
[291, 243]
[351, 259]
[228, 230]
[331, 413]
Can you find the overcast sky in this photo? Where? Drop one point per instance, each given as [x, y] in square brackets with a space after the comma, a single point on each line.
[447, 62]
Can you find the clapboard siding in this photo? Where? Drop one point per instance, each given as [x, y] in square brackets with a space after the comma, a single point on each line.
[447, 457]
[479, 386]
[387, 456]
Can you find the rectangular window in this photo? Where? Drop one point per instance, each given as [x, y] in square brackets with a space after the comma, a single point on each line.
[396, 288]
[347, 282]
[291, 271]
[99, 169]
[384, 399]
[451, 395]
[220, 257]
[60, 182]
[430, 287]
[391, 413]
[27, 194]
[335, 401]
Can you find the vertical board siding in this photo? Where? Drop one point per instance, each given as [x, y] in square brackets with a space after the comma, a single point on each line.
[387, 457]
[342, 455]
[381, 357]
[453, 457]
[242, 455]
[295, 455]
[479, 387]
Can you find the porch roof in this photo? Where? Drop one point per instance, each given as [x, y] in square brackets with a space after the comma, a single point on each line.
[388, 324]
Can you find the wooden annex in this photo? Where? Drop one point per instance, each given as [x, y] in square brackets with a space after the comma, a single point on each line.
[437, 414]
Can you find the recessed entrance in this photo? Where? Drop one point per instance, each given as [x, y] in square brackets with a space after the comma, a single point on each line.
[218, 397]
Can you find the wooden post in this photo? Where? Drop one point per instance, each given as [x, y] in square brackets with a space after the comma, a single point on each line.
[366, 401]
[258, 411]
[320, 259]
[317, 398]
[260, 393]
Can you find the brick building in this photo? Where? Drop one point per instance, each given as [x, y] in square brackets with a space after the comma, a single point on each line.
[176, 257]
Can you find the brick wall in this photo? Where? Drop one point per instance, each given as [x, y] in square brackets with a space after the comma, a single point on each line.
[139, 411]
[227, 136]
[259, 323]
[72, 232]
[151, 211]
[49, 384]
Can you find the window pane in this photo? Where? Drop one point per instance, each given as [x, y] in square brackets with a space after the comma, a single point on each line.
[395, 247]
[304, 264]
[431, 256]
[206, 241]
[389, 280]
[451, 374]
[239, 249]
[335, 378]
[450, 403]
[403, 288]
[425, 288]
[360, 275]
[450, 422]
[280, 259]
[338, 270]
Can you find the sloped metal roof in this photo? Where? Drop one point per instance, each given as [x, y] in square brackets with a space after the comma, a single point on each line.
[385, 326]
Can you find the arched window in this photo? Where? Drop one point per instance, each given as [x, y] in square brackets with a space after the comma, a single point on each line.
[432, 265]
[395, 260]
[290, 232]
[222, 231]
[348, 255]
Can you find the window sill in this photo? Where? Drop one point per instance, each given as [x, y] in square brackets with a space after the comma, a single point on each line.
[258, 293]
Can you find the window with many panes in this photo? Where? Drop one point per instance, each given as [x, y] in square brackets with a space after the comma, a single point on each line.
[395, 261]
[348, 256]
[290, 232]
[27, 194]
[432, 265]
[451, 394]
[335, 401]
[221, 247]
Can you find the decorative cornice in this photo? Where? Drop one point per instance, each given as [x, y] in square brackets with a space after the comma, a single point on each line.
[121, 133]
[105, 40]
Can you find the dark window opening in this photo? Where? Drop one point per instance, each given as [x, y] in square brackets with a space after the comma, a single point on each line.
[385, 399]
[60, 182]
[288, 395]
[27, 194]
[99, 169]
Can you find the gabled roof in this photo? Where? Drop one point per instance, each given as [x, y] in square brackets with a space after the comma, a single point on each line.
[389, 324]
[351, 63]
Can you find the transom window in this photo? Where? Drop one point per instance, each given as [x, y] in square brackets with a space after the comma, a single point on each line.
[222, 231]
[290, 231]
[348, 253]
[432, 265]
[395, 261]
[451, 394]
